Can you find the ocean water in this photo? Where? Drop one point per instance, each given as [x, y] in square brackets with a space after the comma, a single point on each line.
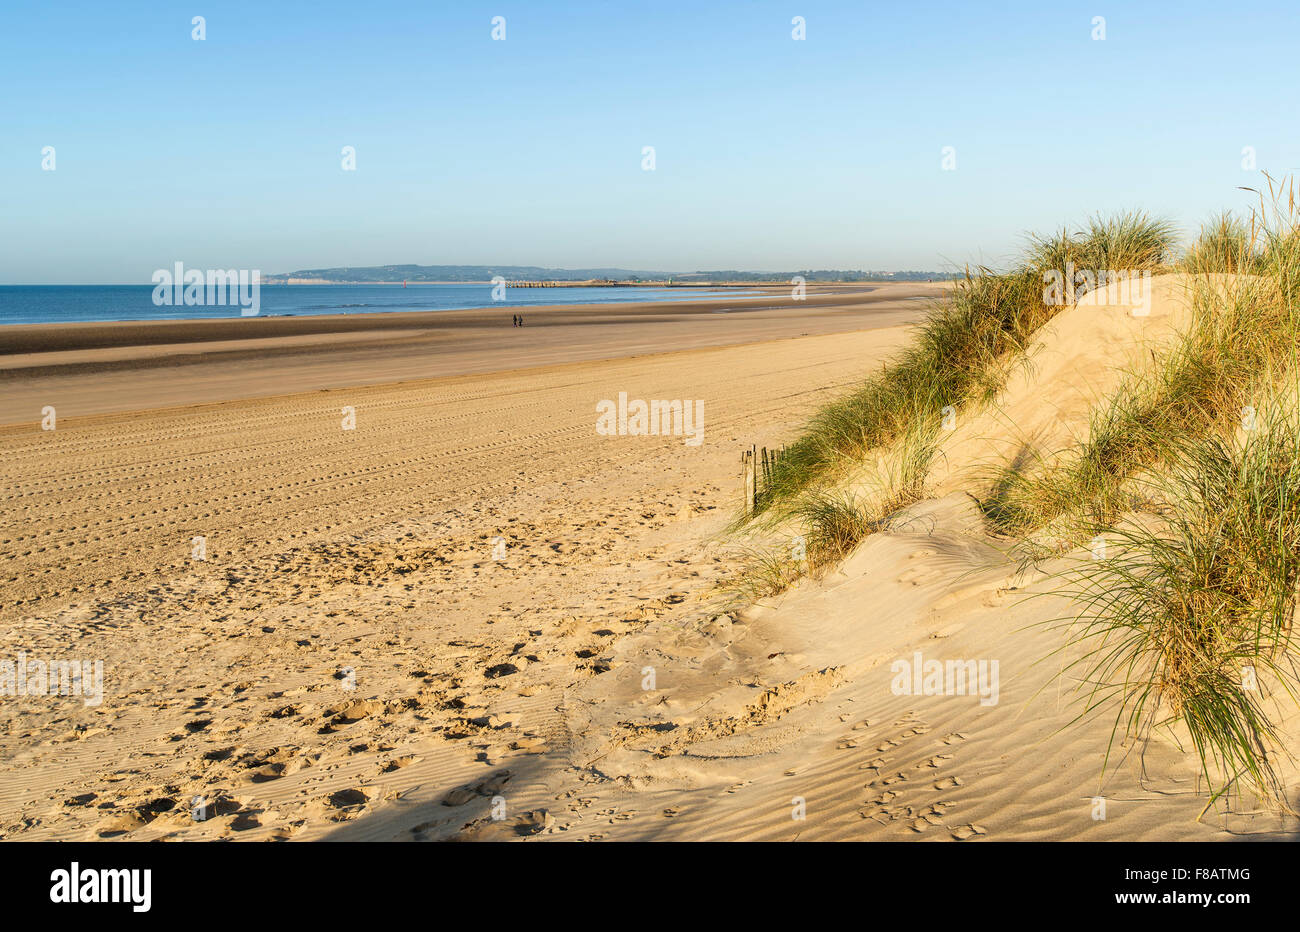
[46, 304]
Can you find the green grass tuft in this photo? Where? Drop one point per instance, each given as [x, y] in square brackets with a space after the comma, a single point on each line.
[1243, 336]
[962, 352]
[1189, 618]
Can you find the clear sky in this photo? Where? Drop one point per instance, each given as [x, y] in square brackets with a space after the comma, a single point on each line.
[770, 153]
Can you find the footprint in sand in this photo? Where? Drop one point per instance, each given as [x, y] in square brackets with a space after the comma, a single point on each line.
[931, 817]
[246, 820]
[916, 576]
[397, 763]
[534, 822]
[934, 762]
[948, 783]
[121, 825]
[971, 830]
[530, 823]
[349, 798]
[489, 786]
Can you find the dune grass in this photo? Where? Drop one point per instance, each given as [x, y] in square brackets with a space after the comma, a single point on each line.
[1226, 244]
[764, 572]
[1185, 621]
[835, 521]
[1188, 618]
[830, 522]
[1130, 241]
[1243, 335]
[961, 355]
[1194, 482]
[962, 352]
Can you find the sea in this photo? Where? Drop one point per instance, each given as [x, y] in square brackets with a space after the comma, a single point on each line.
[49, 304]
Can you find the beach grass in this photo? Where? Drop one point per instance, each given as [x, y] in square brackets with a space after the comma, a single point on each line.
[1242, 339]
[962, 353]
[1188, 617]
[828, 522]
[1188, 481]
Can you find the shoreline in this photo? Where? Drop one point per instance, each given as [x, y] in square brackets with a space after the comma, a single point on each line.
[62, 335]
[705, 293]
[558, 283]
[84, 369]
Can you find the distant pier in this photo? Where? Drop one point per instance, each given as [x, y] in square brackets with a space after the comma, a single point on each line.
[583, 284]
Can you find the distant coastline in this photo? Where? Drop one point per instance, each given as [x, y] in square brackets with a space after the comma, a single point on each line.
[585, 278]
[58, 304]
[556, 283]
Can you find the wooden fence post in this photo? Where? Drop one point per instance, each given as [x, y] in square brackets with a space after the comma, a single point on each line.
[751, 486]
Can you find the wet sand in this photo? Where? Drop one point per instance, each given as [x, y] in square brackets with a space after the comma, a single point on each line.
[84, 369]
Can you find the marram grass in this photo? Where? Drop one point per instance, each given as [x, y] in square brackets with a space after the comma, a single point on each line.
[1189, 618]
[1243, 336]
[961, 353]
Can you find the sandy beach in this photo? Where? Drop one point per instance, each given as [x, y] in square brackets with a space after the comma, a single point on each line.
[369, 548]
[470, 615]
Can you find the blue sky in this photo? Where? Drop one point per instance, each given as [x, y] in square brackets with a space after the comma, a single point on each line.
[770, 153]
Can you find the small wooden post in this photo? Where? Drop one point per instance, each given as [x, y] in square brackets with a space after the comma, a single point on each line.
[750, 478]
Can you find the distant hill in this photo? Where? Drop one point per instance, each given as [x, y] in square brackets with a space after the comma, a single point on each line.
[462, 273]
[483, 273]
